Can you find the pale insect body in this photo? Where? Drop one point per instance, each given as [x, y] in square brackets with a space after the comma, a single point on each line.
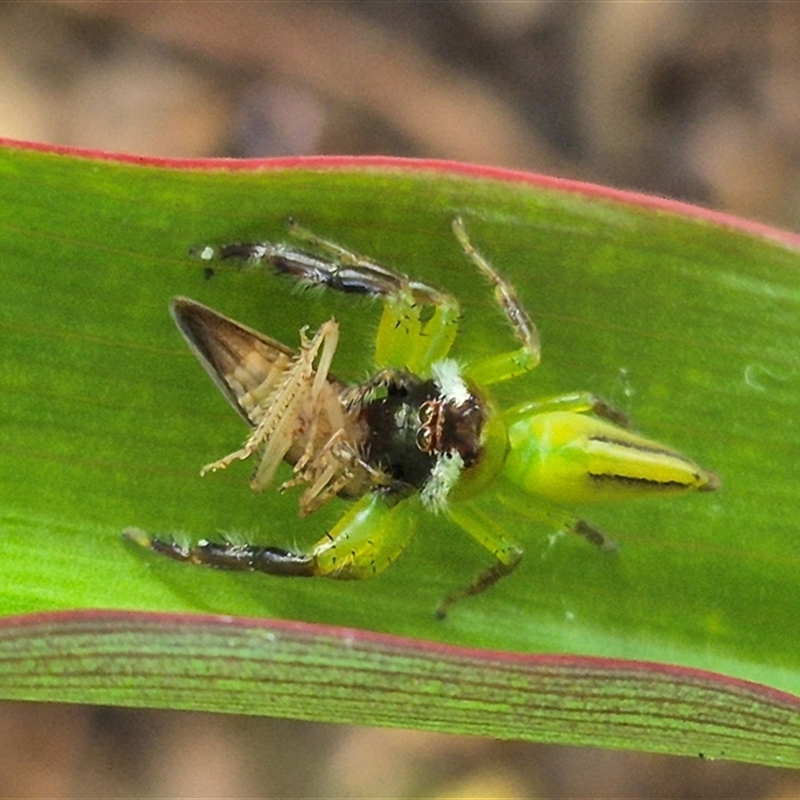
[421, 426]
[294, 409]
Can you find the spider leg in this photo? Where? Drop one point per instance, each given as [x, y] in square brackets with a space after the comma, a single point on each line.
[545, 513]
[505, 365]
[419, 323]
[489, 531]
[577, 402]
[365, 541]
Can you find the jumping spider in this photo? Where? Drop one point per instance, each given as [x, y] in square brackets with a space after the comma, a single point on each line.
[422, 431]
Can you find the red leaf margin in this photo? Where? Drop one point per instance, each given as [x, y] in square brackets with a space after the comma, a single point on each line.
[325, 163]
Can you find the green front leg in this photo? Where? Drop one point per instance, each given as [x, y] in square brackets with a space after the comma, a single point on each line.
[365, 541]
[368, 539]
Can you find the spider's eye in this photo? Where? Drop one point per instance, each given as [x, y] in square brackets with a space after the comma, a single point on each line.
[426, 412]
[425, 439]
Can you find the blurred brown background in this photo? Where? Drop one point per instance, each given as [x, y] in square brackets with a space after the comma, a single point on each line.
[699, 101]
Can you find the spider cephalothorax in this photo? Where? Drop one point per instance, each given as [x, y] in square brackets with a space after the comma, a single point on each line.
[424, 432]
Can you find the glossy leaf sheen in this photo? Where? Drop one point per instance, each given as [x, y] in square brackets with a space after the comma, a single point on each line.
[690, 326]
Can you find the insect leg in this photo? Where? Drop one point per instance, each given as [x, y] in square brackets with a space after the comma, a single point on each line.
[365, 541]
[577, 402]
[505, 365]
[276, 429]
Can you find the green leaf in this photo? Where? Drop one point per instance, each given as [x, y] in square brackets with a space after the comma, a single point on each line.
[687, 320]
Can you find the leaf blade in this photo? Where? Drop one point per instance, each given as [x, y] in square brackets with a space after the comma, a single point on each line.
[309, 672]
[689, 322]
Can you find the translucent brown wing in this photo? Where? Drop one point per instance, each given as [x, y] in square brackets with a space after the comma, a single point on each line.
[295, 410]
[246, 365]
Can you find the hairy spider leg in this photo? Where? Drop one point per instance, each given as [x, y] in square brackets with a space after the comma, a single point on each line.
[575, 402]
[513, 364]
[503, 366]
[419, 323]
[485, 529]
[367, 540]
[489, 532]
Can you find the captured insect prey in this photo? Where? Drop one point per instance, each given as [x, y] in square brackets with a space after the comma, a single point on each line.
[421, 435]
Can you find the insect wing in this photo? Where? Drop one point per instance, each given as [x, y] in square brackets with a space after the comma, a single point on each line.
[244, 364]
